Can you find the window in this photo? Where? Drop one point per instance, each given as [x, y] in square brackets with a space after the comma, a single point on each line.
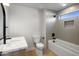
[71, 14]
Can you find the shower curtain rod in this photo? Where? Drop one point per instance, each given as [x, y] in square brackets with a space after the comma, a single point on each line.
[4, 23]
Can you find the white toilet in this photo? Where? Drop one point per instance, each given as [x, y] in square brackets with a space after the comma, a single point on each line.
[39, 46]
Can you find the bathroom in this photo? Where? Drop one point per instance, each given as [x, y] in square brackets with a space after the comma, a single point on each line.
[49, 24]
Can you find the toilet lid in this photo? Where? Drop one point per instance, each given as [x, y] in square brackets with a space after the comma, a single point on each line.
[40, 45]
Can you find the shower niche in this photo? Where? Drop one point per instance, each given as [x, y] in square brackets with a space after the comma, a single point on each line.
[69, 23]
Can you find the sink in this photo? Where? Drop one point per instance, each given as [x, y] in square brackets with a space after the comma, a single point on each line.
[14, 44]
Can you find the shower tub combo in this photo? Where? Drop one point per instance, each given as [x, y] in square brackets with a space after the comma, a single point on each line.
[63, 48]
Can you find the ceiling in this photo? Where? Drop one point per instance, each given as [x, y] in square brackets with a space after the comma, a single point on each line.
[51, 6]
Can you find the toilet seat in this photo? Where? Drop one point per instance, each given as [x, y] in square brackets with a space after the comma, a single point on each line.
[40, 45]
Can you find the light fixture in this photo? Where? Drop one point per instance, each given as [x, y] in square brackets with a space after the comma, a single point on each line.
[64, 4]
[6, 4]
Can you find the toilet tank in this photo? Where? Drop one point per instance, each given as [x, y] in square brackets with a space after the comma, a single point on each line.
[36, 38]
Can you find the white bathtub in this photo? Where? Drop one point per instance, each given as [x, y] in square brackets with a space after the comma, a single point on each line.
[63, 48]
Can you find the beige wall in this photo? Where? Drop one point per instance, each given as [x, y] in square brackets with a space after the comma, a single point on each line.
[50, 24]
[70, 34]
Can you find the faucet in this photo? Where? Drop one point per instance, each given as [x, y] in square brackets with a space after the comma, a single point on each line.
[53, 37]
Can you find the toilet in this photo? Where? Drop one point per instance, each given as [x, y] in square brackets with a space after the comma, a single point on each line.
[39, 45]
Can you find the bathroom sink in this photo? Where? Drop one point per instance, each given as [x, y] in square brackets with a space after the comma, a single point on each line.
[13, 44]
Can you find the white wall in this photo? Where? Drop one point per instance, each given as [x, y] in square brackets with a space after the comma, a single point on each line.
[1, 22]
[7, 24]
[27, 22]
[24, 21]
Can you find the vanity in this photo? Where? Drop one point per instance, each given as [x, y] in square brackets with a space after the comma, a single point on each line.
[13, 44]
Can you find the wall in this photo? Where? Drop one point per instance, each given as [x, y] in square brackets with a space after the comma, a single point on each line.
[7, 17]
[24, 21]
[51, 24]
[1, 22]
[43, 25]
[70, 35]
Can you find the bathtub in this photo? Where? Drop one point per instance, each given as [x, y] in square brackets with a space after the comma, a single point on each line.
[63, 48]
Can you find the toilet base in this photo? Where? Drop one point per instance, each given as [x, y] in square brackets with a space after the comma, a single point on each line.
[39, 52]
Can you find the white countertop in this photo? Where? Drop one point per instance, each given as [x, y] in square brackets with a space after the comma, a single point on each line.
[14, 44]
